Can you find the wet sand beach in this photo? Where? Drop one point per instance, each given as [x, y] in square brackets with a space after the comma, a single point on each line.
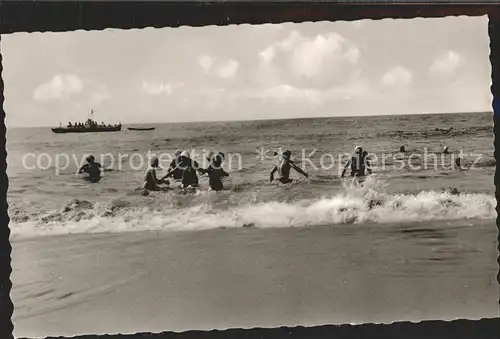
[156, 281]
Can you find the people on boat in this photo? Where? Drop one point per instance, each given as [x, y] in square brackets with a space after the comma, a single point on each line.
[285, 164]
[92, 169]
[151, 181]
[359, 163]
[215, 171]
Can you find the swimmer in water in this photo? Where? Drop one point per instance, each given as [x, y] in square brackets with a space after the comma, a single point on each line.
[283, 169]
[215, 171]
[151, 182]
[458, 163]
[188, 168]
[92, 168]
[176, 172]
[359, 164]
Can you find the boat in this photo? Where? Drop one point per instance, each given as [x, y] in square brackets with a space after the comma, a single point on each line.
[141, 129]
[90, 126]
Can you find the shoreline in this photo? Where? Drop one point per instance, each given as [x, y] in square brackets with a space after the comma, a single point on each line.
[16, 238]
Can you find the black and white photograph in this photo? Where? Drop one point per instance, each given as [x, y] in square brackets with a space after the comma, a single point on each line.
[199, 178]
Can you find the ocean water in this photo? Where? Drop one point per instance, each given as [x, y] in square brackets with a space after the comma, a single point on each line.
[421, 186]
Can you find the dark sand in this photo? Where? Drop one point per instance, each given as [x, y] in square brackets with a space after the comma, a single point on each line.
[150, 281]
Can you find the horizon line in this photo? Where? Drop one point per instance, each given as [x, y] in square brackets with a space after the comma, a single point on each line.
[264, 119]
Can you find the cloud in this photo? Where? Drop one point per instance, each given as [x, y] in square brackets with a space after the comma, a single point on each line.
[322, 60]
[396, 76]
[446, 64]
[62, 86]
[225, 70]
[99, 93]
[205, 62]
[267, 55]
[353, 54]
[309, 56]
[156, 88]
[311, 97]
[228, 69]
[286, 93]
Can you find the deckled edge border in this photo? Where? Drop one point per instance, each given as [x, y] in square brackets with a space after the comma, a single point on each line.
[295, 12]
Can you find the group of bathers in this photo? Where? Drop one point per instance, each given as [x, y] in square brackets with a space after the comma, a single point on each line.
[186, 170]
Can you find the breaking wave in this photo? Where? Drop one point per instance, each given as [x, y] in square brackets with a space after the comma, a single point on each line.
[354, 204]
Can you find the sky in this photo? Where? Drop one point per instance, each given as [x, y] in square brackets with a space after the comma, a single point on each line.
[245, 72]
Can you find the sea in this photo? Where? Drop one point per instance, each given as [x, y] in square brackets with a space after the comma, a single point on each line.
[424, 185]
[414, 241]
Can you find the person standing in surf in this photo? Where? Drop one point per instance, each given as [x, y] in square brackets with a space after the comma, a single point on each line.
[92, 169]
[188, 167]
[151, 182]
[283, 168]
[176, 172]
[215, 171]
[359, 164]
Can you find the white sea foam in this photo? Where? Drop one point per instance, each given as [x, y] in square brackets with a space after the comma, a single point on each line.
[353, 205]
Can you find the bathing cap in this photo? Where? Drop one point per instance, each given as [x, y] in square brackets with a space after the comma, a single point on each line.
[287, 154]
[90, 158]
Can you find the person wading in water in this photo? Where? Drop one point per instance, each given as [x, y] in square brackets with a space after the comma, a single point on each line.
[215, 171]
[188, 168]
[151, 182]
[176, 172]
[92, 168]
[358, 163]
[283, 168]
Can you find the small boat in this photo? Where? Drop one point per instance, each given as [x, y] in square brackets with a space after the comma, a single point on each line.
[141, 129]
[90, 126]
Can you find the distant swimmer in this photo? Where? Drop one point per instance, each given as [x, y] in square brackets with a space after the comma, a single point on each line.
[176, 172]
[359, 163]
[151, 182]
[446, 150]
[215, 172]
[92, 169]
[283, 168]
[402, 149]
[188, 167]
